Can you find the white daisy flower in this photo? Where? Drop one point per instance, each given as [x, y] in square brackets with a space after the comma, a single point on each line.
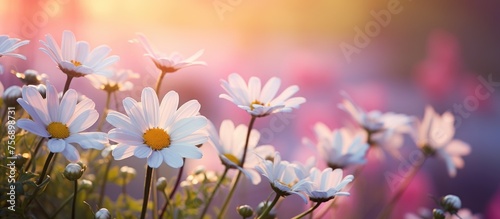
[282, 176]
[230, 144]
[383, 129]
[326, 184]
[260, 102]
[117, 81]
[75, 58]
[62, 122]
[158, 131]
[339, 148]
[8, 45]
[434, 135]
[172, 63]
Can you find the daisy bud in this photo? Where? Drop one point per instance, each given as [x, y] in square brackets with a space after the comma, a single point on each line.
[438, 214]
[262, 207]
[21, 159]
[161, 184]
[86, 184]
[42, 89]
[103, 213]
[451, 203]
[245, 211]
[73, 171]
[199, 170]
[128, 172]
[11, 94]
[30, 77]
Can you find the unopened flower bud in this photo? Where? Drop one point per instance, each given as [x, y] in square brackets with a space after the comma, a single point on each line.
[438, 214]
[103, 213]
[451, 203]
[128, 172]
[199, 170]
[30, 77]
[42, 89]
[86, 184]
[161, 184]
[245, 211]
[73, 171]
[11, 94]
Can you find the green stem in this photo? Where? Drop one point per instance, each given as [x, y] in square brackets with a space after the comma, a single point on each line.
[386, 212]
[33, 156]
[68, 82]
[104, 181]
[158, 82]
[65, 202]
[155, 196]
[164, 208]
[228, 198]
[104, 112]
[147, 186]
[177, 181]
[235, 182]
[45, 167]
[308, 211]
[75, 192]
[268, 209]
[223, 176]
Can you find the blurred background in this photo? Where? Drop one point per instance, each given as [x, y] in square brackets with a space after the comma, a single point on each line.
[390, 55]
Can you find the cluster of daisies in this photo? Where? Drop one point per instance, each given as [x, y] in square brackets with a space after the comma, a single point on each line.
[160, 130]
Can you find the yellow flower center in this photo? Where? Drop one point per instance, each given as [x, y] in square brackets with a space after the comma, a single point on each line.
[255, 102]
[232, 158]
[58, 130]
[156, 138]
[76, 63]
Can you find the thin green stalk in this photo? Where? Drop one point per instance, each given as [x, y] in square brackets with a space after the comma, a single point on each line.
[65, 202]
[68, 82]
[155, 196]
[33, 156]
[176, 185]
[158, 82]
[268, 209]
[104, 180]
[164, 209]
[75, 192]
[147, 186]
[45, 167]
[308, 211]
[213, 192]
[386, 212]
[104, 111]
[235, 183]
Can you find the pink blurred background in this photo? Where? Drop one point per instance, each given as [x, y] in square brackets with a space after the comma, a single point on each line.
[428, 53]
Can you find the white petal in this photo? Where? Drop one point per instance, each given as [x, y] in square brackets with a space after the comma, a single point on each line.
[168, 108]
[187, 151]
[71, 153]
[52, 103]
[270, 89]
[185, 127]
[68, 105]
[56, 145]
[83, 121]
[68, 45]
[123, 151]
[96, 140]
[155, 159]
[33, 127]
[142, 151]
[171, 158]
[150, 106]
[189, 109]
[135, 113]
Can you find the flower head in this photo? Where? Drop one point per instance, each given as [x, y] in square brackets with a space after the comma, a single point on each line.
[62, 122]
[172, 63]
[451, 203]
[383, 129]
[157, 130]
[282, 176]
[326, 184]
[8, 45]
[117, 81]
[11, 94]
[260, 102]
[230, 144]
[75, 59]
[339, 148]
[434, 135]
